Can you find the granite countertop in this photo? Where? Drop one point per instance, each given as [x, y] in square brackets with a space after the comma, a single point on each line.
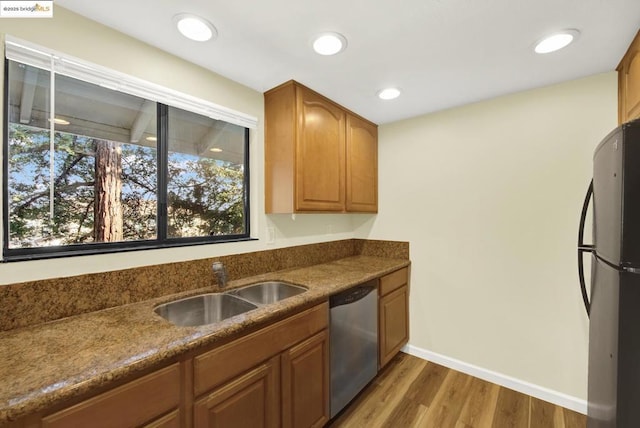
[45, 364]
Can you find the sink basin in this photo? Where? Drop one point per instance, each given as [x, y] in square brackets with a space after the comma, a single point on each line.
[203, 309]
[264, 293]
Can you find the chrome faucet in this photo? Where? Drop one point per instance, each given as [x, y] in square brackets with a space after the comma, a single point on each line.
[221, 274]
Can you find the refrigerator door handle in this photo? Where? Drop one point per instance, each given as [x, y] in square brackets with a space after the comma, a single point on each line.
[584, 248]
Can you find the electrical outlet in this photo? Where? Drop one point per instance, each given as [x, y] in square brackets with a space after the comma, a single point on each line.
[271, 235]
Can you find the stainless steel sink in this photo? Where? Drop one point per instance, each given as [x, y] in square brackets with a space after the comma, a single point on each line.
[203, 309]
[264, 293]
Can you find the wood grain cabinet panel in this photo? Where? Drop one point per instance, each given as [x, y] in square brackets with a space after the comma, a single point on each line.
[320, 154]
[172, 420]
[629, 83]
[130, 405]
[393, 315]
[305, 383]
[251, 400]
[394, 324]
[394, 280]
[362, 165]
[276, 376]
[240, 355]
[319, 157]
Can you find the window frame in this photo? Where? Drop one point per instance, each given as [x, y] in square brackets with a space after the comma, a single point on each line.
[161, 240]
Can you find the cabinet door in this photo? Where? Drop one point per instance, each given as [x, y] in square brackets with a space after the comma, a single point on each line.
[251, 400]
[305, 383]
[362, 165]
[629, 83]
[320, 154]
[394, 323]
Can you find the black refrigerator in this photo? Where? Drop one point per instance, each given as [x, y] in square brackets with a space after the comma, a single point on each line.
[613, 301]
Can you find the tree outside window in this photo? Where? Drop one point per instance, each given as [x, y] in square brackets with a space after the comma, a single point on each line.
[94, 178]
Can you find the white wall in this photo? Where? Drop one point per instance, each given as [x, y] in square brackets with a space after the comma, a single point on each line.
[489, 196]
[77, 36]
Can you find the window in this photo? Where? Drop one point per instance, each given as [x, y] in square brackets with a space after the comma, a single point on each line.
[206, 170]
[90, 168]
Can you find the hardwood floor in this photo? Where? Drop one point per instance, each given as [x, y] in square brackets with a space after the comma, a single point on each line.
[411, 392]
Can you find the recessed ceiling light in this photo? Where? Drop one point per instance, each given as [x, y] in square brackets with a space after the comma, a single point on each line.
[329, 43]
[195, 28]
[556, 41]
[59, 121]
[215, 150]
[389, 93]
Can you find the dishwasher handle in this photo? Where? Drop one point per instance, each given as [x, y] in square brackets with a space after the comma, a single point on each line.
[352, 295]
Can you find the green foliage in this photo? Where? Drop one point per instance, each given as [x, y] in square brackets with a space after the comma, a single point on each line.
[30, 223]
[205, 196]
[139, 192]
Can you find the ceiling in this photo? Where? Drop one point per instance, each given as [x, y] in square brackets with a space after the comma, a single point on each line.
[441, 53]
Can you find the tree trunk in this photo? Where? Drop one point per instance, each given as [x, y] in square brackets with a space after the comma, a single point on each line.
[108, 217]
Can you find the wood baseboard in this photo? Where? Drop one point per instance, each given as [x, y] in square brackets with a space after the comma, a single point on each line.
[546, 394]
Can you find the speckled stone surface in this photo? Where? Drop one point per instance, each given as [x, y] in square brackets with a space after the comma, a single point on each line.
[36, 302]
[390, 249]
[45, 364]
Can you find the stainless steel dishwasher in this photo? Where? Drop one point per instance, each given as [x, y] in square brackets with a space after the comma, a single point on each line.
[354, 342]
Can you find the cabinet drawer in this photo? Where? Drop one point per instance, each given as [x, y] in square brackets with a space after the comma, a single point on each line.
[394, 280]
[172, 420]
[129, 405]
[226, 362]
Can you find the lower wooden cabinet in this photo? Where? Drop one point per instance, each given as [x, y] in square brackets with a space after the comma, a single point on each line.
[276, 376]
[137, 403]
[172, 420]
[251, 400]
[305, 383]
[393, 314]
[293, 385]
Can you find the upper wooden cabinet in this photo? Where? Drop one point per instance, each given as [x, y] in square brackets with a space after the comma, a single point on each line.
[629, 83]
[318, 156]
[362, 165]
